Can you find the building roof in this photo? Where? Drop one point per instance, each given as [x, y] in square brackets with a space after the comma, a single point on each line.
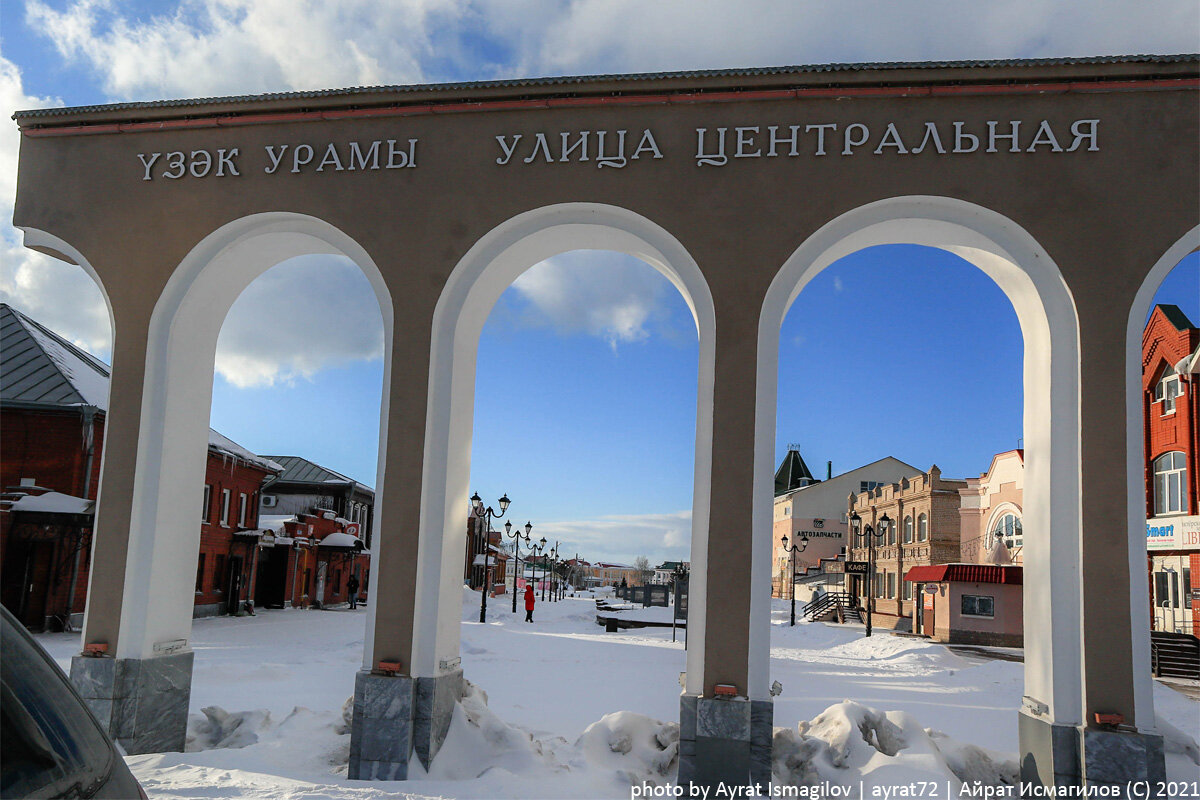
[473, 91]
[792, 473]
[40, 369]
[969, 573]
[300, 470]
[1175, 316]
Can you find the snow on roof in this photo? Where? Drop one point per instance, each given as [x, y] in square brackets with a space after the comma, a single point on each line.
[53, 503]
[340, 539]
[226, 446]
[275, 522]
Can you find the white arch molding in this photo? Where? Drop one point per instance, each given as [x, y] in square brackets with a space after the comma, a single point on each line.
[1135, 449]
[1027, 275]
[473, 288]
[173, 435]
[49, 243]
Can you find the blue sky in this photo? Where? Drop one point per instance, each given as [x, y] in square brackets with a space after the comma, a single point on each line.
[585, 410]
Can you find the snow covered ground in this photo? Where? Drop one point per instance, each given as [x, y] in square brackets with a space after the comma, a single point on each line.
[561, 709]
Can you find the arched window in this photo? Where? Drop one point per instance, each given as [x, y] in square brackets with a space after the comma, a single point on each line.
[908, 530]
[1167, 389]
[1009, 526]
[891, 533]
[1170, 484]
[923, 528]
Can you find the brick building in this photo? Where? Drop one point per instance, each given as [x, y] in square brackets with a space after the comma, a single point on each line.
[306, 559]
[925, 530]
[1170, 419]
[53, 401]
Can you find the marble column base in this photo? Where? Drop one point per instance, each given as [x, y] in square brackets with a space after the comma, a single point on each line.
[381, 735]
[724, 741]
[141, 702]
[1120, 758]
[432, 712]
[1049, 752]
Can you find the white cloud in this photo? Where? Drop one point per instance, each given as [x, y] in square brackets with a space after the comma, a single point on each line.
[215, 47]
[622, 538]
[616, 297]
[299, 317]
[57, 294]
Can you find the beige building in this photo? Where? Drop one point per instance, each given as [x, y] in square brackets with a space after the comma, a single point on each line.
[925, 530]
[992, 506]
[806, 508]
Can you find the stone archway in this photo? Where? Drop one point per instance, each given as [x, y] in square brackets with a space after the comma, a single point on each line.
[473, 287]
[1033, 283]
[144, 612]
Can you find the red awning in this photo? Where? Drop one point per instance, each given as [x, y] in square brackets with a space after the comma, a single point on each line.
[968, 573]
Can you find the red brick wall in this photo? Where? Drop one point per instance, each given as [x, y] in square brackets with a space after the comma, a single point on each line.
[217, 542]
[1162, 345]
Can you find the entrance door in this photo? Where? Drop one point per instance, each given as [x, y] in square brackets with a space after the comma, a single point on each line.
[271, 584]
[233, 591]
[26, 577]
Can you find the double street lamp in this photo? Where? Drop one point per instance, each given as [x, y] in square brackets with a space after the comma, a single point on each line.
[538, 551]
[796, 547]
[486, 515]
[517, 537]
[857, 527]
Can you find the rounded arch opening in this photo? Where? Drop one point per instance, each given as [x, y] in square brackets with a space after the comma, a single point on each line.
[1046, 315]
[179, 365]
[491, 265]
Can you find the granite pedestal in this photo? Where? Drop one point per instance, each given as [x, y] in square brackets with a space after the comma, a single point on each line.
[1122, 758]
[724, 741]
[1049, 752]
[381, 732]
[432, 712]
[141, 702]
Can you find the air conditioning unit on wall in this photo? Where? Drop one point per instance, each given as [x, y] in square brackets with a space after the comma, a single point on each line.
[269, 500]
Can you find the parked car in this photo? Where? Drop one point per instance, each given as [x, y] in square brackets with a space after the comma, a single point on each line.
[52, 746]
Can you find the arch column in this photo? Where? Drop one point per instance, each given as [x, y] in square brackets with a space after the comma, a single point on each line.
[727, 739]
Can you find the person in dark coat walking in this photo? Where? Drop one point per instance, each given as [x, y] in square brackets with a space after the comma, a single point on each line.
[352, 590]
[528, 603]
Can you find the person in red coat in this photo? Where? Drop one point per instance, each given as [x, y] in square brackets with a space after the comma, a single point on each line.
[528, 603]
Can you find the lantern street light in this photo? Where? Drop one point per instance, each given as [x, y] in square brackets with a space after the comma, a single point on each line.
[537, 551]
[798, 547]
[550, 555]
[517, 537]
[856, 525]
[487, 515]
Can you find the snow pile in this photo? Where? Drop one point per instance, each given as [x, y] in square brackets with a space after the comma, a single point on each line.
[632, 747]
[305, 744]
[848, 743]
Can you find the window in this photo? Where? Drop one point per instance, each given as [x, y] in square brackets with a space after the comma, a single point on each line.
[908, 530]
[218, 571]
[1167, 389]
[1009, 527]
[866, 486]
[923, 528]
[1170, 484]
[200, 574]
[908, 590]
[205, 516]
[225, 494]
[1187, 587]
[891, 584]
[891, 533]
[242, 504]
[978, 605]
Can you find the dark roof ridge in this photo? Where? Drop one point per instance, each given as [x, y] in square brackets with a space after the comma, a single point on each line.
[1175, 316]
[578, 80]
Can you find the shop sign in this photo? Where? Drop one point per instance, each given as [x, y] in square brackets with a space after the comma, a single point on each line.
[857, 567]
[1173, 533]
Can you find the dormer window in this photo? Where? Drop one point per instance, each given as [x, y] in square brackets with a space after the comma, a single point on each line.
[1167, 389]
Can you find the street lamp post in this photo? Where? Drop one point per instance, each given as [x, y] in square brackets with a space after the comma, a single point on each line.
[517, 537]
[487, 515]
[539, 551]
[546, 559]
[797, 547]
[856, 525]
